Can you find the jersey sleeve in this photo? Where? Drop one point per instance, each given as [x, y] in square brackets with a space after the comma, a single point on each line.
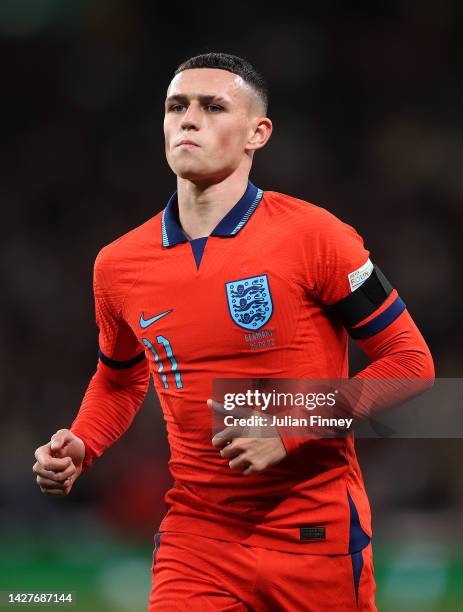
[117, 389]
[119, 348]
[350, 284]
[358, 293]
[341, 261]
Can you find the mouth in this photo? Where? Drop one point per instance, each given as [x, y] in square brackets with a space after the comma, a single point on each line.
[187, 143]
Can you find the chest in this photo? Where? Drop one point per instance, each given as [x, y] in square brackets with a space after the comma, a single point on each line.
[243, 307]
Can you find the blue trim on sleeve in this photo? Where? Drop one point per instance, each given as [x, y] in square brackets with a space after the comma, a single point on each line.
[380, 322]
[120, 365]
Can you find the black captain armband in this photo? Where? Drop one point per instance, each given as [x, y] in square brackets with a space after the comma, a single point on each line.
[363, 302]
[120, 365]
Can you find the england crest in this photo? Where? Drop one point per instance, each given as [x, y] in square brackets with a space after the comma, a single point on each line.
[250, 301]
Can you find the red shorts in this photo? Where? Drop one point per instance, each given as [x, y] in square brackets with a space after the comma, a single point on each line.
[197, 573]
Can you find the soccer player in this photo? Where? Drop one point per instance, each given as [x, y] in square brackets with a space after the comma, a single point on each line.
[230, 281]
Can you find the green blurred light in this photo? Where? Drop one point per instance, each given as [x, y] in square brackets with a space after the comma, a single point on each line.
[24, 18]
[417, 579]
[19, 18]
[125, 584]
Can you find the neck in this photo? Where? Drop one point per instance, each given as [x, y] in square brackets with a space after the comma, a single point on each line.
[201, 206]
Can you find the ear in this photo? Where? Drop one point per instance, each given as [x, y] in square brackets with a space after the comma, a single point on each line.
[261, 131]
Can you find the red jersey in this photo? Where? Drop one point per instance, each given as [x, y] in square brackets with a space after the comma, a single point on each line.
[164, 306]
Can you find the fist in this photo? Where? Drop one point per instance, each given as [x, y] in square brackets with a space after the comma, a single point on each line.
[59, 463]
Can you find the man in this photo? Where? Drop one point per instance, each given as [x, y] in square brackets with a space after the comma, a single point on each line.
[233, 282]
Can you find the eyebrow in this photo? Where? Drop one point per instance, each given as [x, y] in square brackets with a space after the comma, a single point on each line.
[203, 98]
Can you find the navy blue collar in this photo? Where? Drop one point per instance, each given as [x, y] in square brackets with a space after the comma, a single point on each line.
[231, 224]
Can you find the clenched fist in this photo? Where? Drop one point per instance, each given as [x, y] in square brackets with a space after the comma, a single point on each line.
[59, 463]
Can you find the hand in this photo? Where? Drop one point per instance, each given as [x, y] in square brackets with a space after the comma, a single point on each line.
[59, 463]
[250, 455]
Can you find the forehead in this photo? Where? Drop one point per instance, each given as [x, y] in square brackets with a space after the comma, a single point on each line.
[209, 82]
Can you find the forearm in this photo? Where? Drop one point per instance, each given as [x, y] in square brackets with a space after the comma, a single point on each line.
[109, 406]
[402, 367]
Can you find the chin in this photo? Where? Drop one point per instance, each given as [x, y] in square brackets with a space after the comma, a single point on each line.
[192, 174]
[197, 173]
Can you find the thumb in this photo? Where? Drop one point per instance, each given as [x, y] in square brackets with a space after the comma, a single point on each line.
[59, 439]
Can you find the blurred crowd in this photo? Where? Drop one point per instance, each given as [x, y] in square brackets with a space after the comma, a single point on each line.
[366, 103]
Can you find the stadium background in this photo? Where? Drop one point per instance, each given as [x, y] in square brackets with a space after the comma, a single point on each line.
[366, 101]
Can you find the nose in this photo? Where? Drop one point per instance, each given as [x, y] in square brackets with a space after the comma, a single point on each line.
[191, 119]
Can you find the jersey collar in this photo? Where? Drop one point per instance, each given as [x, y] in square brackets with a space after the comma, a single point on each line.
[229, 226]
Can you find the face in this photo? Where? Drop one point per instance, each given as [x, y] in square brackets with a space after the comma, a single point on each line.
[210, 121]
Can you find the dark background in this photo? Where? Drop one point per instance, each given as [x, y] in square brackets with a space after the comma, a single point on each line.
[366, 103]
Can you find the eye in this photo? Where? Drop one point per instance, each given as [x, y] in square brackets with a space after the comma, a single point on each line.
[176, 108]
[214, 108]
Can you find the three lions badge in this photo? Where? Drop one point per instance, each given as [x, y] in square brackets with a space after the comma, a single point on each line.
[250, 302]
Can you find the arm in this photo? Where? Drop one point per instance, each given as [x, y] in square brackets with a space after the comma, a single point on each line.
[113, 397]
[401, 367]
[110, 404]
[398, 354]
[359, 295]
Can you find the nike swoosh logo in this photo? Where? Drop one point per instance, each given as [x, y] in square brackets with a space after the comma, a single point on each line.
[147, 322]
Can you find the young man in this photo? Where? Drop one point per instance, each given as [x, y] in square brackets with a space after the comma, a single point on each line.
[269, 523]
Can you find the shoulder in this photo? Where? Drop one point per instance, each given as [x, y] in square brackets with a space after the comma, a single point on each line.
[308, 217]
[119, 261]
[131, 244]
